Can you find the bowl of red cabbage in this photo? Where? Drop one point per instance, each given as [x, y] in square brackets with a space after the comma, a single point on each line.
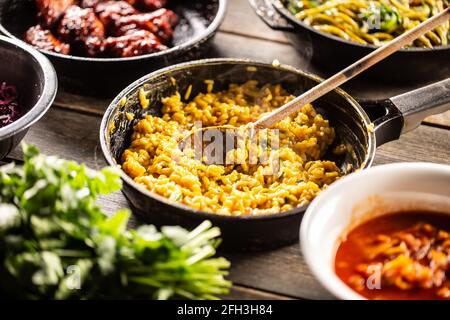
[28, 86]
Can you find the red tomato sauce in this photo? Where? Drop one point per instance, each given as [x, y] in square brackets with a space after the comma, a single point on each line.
[398, 256]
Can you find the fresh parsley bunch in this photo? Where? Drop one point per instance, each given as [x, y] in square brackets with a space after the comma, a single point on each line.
[57, 243]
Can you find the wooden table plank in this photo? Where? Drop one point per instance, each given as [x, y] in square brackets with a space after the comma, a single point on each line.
[250, 25]
[442, 119]
[244, 293]
[281, 272]
[82, 104]
[426, 144]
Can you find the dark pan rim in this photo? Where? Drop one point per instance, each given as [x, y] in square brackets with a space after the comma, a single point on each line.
[293, 20]
[47, 95]
[109, 112]
[210, 30]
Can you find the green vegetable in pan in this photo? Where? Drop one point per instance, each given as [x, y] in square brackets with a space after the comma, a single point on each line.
[381, 17]
[294, 6]
[372, 22]
[56, 242]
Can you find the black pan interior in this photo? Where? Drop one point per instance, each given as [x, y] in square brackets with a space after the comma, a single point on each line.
[342, 114]
[16, 16]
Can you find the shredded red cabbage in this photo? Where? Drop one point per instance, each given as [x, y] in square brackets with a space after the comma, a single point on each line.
[8, 104]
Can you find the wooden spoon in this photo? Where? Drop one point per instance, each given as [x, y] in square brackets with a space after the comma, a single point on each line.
[333, 82]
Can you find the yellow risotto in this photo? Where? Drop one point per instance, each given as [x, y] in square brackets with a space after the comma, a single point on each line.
[155, 160]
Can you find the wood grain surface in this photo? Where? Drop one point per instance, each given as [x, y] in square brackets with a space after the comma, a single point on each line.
[71, 130]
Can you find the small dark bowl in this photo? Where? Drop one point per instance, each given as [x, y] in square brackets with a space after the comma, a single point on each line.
[199, 22]
[239, 232]
[36, 83]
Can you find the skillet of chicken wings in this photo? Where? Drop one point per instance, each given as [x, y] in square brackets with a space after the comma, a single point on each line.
[102, 28]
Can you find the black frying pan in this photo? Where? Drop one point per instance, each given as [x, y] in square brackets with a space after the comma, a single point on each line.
[105, 76]
[351, 121]
[331, 53]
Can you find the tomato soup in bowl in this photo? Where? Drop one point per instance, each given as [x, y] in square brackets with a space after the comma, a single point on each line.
[383, 233]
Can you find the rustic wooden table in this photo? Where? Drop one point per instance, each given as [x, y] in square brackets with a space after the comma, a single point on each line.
[71, 129]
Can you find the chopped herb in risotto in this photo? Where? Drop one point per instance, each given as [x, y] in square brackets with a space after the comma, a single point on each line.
[155, 160]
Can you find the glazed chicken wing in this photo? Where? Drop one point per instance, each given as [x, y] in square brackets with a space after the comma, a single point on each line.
[160, 22]
[44, 40]
[133, 44]
[148, 5]
[110, 11]
[50, 11]
[143, 5]
[103, 28]
[94, 47]
[78, 24]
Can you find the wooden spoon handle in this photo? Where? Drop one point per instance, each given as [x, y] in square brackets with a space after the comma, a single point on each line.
[352, 70]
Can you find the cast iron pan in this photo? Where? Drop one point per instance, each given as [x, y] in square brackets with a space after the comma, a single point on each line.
[105, 76]
[331, 53]
[36, 83]
[350, 119]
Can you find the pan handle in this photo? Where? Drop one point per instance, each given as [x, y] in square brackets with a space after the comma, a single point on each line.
[266, 11]
[418, 104]
[403, 113]
[386, 118]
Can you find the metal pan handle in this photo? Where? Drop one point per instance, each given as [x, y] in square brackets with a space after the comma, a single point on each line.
[400, 114]
[265, 10]
[418, 104]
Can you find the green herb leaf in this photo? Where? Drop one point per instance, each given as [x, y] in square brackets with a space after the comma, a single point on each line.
[57, 243]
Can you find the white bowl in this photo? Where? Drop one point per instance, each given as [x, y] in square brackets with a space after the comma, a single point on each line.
[363, 195]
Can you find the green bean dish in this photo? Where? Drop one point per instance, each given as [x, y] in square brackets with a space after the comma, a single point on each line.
[372, 22]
